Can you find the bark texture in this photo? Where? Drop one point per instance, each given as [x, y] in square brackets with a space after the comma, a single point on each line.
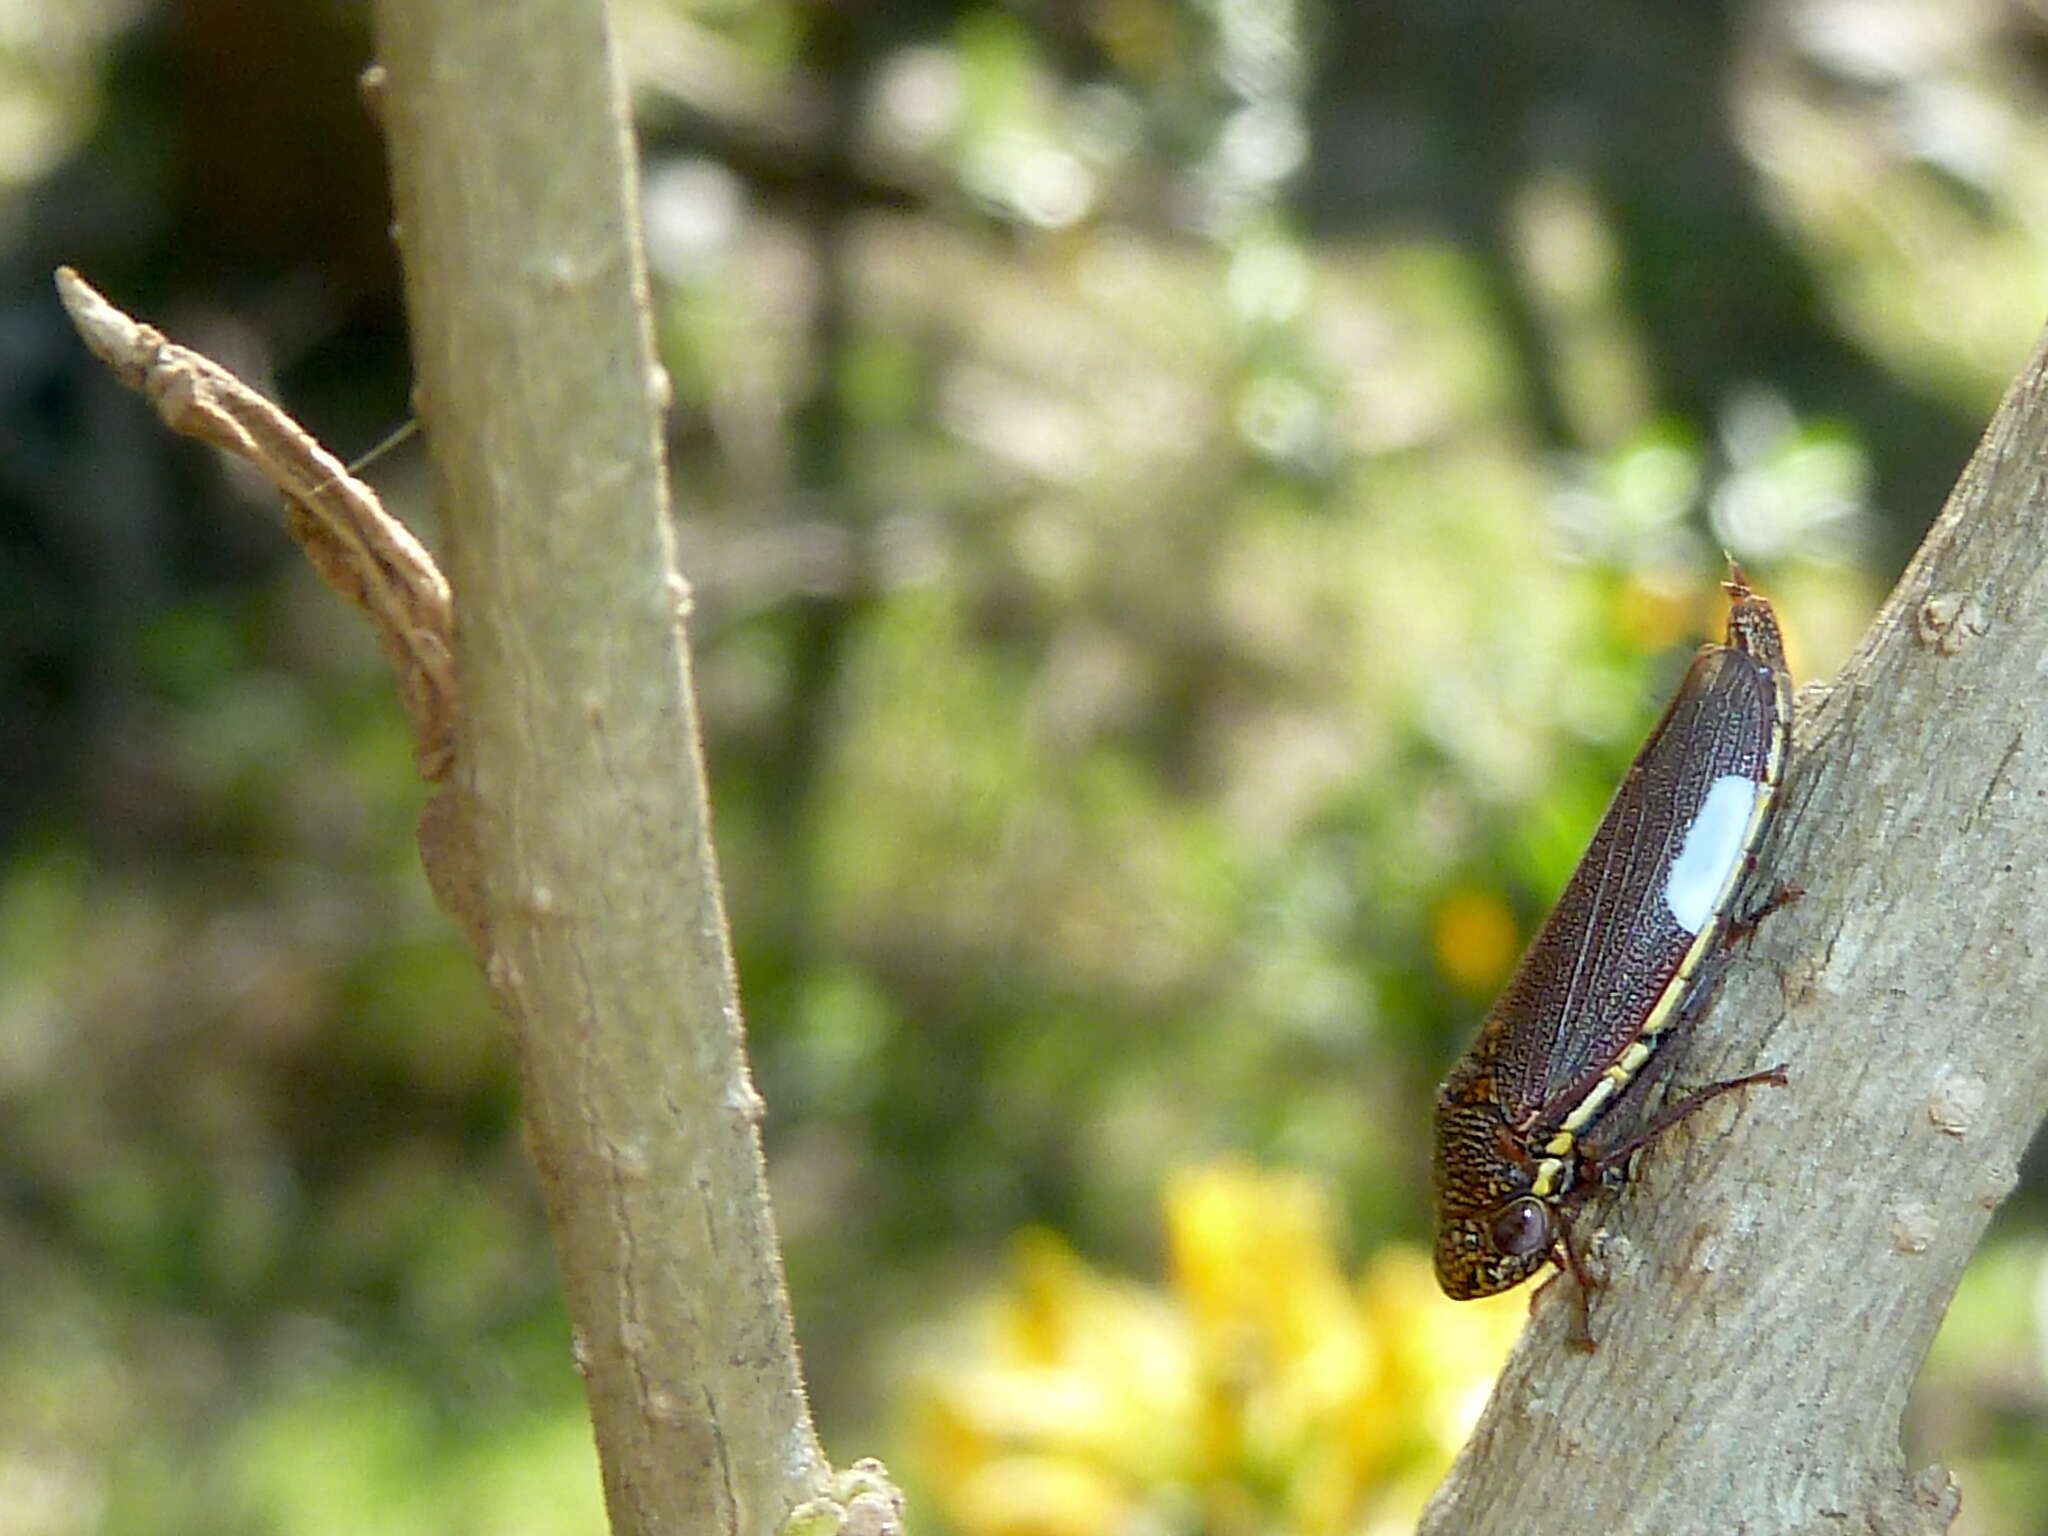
[576, 809]
[1780, 1267]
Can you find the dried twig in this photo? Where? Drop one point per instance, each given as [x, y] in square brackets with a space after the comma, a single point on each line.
[363, 552]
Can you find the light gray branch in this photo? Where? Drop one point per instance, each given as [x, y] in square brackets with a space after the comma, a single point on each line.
[578, 786]
[1781, 1266]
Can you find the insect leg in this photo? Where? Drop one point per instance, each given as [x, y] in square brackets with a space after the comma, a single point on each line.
[1581, 1335]
[1596, 1164]
[1742, 924]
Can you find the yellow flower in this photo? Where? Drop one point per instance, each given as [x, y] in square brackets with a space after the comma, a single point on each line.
[1261, 1394]
[1475, 941]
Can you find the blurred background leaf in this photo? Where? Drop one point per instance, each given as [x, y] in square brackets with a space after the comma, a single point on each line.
[1191, 503]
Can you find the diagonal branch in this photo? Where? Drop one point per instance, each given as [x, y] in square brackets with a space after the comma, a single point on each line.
[1779, 1271]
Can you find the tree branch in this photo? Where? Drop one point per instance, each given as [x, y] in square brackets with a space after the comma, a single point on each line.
[570, 839]
[1780, 1269]
[579, 779]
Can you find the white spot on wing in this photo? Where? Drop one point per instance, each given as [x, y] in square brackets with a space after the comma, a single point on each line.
[1713, 847]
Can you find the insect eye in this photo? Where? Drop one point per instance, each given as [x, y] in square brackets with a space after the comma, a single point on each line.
[1520, 1228]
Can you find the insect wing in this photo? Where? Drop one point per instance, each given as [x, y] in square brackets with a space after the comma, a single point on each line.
[1649, 898]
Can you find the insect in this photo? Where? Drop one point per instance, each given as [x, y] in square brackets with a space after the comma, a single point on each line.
[1629, 954]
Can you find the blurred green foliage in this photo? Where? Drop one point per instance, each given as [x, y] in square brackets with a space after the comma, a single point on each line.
[1191, 505]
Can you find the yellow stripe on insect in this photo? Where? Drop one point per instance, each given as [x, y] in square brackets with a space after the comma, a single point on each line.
[1631, 1061]
[1589, 1106]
